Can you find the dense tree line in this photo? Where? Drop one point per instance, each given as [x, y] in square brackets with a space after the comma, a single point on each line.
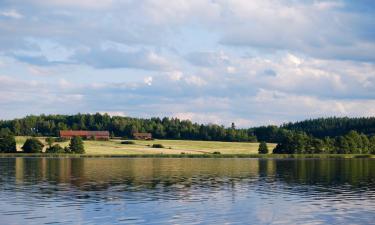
[294, 142]
[169, 128]
[334, 126]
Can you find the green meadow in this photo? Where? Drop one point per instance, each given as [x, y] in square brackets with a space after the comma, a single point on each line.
[114, 147]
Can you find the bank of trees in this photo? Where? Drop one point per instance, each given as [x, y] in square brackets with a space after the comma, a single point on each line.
[165, 128]
[173, 128]
[300, 143]
[333, 126]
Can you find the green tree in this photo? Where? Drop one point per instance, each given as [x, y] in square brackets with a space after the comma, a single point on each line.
[76, 145]
[372, 145]
[33, 145]
[55, 149]
[263, 149]
[342, 145]
[5, 132]
[8, 144]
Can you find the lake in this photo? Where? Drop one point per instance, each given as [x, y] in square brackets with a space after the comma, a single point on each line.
[186, 191]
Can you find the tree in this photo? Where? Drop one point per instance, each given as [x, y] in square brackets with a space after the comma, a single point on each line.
[263, 149]
[55, 149]
[33, 145]
[8, 144]
[76, 145]
[342, 145]
[372, 145]
[5, 132]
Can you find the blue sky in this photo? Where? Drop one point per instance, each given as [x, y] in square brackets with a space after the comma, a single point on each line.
[211, 61]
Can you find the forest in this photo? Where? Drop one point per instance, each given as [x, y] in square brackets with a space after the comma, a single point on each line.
[323, 135]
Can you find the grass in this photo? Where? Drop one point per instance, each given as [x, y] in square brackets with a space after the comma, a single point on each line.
[261, 156]
[175, 149]
[140, 147]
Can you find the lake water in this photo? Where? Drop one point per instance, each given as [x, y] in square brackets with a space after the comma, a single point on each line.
[186, 191]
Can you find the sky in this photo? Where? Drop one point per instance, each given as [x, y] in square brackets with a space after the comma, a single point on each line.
[253, 63]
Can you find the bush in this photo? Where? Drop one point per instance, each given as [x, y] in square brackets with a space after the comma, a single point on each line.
[157, 146]
[55, 149]
[76, 145]
[263, 149]
[67, 150]
[32, 145]
[128, 142]
[216, 153]
[8, 144]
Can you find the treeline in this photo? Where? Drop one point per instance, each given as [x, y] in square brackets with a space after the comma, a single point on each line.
[324, 135]
[334, 126]
[294, 142]
[165, 128]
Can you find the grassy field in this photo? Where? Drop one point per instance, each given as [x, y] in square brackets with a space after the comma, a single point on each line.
[114, 147]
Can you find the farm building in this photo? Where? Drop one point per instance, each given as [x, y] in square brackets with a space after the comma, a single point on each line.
[142, 136]
[98, 135]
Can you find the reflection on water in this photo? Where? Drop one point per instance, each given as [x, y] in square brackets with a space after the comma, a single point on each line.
[186, 191]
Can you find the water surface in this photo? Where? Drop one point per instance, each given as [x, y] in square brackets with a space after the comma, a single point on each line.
[186, 191]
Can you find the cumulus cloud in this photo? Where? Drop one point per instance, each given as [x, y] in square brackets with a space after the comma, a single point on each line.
[249, 62]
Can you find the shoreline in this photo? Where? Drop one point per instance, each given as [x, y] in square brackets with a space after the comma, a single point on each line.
[255, 156]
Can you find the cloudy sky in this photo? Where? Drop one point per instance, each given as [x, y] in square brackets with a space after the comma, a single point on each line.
[251, 62]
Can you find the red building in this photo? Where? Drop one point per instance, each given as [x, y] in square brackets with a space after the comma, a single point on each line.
[97, 135]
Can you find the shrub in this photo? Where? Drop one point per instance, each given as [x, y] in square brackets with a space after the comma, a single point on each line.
[128, 142]
[263, 149]
[8, 144]
[76, 145]
[55, 149]
[67, 150]
[32, 145]
[216, 153]
[157, 146]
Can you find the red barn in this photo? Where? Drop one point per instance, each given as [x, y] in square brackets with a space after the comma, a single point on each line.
[98, 135]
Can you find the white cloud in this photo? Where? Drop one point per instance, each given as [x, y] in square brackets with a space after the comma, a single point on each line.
[327, 5]
[175, 75]
[12, 13]
[195, 80]
[85, 4]
[148, 81]
[113, 113]
[111, 58]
